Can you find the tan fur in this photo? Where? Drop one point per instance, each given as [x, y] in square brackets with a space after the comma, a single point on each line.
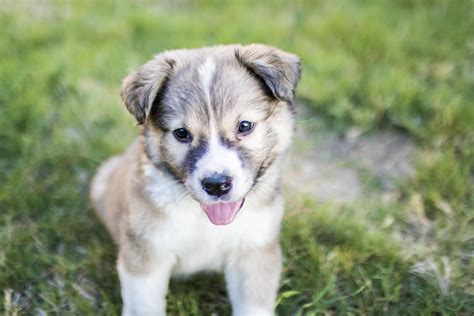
[148, 196]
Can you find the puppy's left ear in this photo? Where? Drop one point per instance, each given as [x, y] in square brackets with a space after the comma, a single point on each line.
[140, 88]
[281, 71]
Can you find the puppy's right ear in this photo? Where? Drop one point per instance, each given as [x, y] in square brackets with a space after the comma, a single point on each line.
[140, 88]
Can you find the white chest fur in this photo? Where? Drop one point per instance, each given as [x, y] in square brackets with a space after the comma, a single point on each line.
[184, 231]
[198, 244]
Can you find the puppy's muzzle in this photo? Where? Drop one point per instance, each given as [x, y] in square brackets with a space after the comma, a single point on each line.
[217, 185]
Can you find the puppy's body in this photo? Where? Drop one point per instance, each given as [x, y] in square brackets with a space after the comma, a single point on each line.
[154, 199]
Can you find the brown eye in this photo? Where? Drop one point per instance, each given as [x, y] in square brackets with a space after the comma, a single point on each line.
[182, 135]
[245, 128]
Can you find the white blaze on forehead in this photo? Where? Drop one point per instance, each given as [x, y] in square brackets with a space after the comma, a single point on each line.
[206, 72]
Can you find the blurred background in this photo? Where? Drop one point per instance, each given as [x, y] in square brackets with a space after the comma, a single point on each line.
[385, 150]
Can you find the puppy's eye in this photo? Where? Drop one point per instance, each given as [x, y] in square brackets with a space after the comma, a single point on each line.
[245, 128]
[182, 135]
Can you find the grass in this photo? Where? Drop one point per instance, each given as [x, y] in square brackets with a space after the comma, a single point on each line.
[406, 65]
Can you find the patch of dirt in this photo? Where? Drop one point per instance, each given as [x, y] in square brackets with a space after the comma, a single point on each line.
[331, 168]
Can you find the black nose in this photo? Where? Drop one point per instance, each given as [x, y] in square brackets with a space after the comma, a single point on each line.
[217, 184]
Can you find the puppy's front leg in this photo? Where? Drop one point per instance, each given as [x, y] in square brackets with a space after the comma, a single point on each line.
[252, 281]
[144, 283]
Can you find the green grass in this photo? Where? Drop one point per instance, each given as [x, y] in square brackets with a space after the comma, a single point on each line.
[406, 65]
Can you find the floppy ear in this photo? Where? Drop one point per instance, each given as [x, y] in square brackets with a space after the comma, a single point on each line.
[140, 88]
[281, 71]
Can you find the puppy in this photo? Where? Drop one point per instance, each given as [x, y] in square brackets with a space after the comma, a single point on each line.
[200, 188]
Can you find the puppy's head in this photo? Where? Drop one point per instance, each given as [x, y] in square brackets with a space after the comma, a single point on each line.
[216, 119]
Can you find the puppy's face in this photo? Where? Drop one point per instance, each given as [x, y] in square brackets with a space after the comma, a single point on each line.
[216, 118]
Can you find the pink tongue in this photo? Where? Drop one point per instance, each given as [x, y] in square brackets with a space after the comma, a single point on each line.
[222, 213]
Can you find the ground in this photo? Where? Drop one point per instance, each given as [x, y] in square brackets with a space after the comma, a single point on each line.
[379, 183]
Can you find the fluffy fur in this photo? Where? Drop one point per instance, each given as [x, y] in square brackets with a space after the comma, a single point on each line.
[150, 198]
